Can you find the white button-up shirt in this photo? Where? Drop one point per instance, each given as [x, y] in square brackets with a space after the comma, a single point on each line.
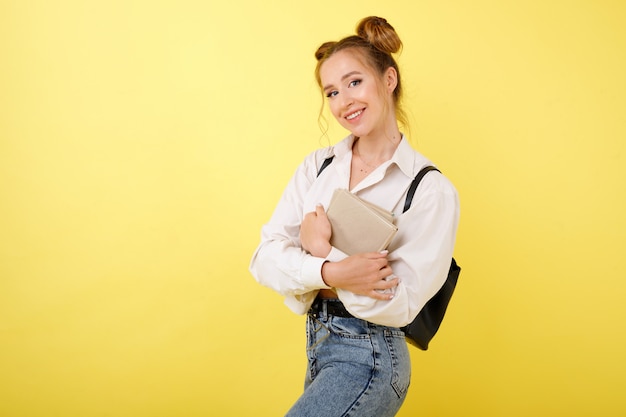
[420, 253]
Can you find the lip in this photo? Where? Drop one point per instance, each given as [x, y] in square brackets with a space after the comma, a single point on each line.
[358, 112]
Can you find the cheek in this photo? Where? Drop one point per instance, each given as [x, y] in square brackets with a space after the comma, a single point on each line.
[334, 108]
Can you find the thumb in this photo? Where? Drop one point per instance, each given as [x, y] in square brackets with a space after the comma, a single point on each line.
[319, 210]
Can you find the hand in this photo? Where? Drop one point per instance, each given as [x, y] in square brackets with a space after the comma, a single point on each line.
[315, 232]
[362, 274]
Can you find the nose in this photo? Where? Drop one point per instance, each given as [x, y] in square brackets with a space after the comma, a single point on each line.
[346, 101]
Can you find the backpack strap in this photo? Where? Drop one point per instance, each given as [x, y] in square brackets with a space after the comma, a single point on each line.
[414, 184]
[326, 162]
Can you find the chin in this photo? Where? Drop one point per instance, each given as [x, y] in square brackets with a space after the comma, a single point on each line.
[359, 133]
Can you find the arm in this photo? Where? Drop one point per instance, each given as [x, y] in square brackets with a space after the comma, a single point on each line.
[362, 274]
[280, 262]
[420, 255]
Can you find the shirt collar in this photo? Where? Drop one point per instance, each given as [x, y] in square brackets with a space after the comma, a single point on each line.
[403, 157]
[344, 147]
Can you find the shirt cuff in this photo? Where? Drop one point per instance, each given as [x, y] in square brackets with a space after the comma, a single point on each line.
[336, 255]
[312, 268]
[311, 273]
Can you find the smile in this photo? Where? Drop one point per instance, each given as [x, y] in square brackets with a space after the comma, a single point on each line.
[354, 115]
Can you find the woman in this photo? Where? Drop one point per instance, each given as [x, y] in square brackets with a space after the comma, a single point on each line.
[358, 359]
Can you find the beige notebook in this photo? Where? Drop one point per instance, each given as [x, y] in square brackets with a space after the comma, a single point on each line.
[357, 225]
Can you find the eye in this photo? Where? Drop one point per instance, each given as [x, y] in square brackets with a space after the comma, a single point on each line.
[354, 83]
[331, 94]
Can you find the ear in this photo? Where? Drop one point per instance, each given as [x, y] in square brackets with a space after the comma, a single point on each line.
[391, 79]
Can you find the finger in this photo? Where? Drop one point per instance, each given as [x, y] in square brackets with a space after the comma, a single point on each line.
[381, 295]
[373, 256]
[377, 255]
[385, 272]
[319, 210]
[388, 284]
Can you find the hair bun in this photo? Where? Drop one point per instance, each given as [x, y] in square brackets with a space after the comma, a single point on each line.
[378, 32]
[323, 49]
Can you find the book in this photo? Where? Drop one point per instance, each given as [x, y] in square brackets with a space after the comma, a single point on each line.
[358, 225]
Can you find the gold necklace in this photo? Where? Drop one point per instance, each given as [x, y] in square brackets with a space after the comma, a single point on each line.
[373, 167]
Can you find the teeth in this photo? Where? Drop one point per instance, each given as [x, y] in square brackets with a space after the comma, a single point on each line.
[353, 115]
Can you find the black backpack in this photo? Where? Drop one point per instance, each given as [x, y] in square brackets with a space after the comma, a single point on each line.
[421, 330]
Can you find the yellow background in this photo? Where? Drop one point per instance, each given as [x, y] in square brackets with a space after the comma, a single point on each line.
[144, 143]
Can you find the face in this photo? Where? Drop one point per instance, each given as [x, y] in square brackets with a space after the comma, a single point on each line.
[359, 98]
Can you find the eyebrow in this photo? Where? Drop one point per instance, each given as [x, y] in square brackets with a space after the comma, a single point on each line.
[348, 75]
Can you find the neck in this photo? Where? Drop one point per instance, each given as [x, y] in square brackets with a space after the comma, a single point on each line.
[377, 149]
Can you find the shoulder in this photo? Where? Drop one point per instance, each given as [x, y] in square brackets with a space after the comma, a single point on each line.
[434, 181]
[312, 163]
[437, 182]
[314, 160]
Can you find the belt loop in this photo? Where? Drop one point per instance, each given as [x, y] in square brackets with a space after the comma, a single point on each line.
[325, 308]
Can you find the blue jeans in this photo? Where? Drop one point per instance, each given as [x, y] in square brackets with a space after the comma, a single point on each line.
[355, 368]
